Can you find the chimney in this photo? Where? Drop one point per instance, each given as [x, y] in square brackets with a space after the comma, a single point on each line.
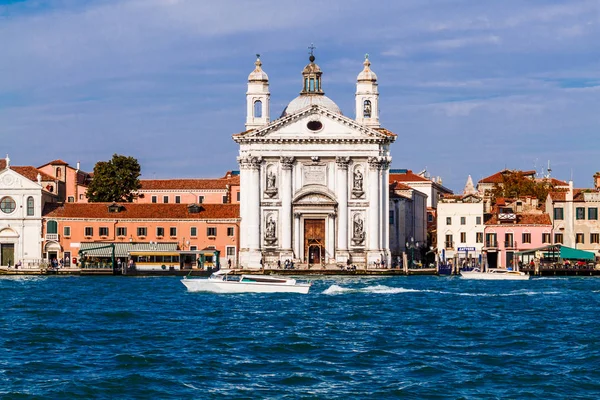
[597, 181]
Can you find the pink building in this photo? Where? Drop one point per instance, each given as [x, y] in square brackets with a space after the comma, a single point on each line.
[189, 191]
[71, 183]
[69, 227]
[512, 227]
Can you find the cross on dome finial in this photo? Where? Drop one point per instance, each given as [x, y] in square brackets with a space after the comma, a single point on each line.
[367, 56]
[311, 52]
[258, 56]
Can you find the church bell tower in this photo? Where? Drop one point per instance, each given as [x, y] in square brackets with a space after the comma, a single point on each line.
[367, 96]
[257, 97]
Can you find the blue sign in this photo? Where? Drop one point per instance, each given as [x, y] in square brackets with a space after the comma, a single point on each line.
[466, 249]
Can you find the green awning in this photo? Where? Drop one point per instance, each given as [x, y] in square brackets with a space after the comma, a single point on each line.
[123, 249]
[560, 251]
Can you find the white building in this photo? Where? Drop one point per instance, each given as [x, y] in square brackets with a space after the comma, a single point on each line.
[314, 183]
[460, 226]
[23, 192]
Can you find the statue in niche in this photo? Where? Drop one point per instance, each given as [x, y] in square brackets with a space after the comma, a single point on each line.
[270, 231]
[271, 180]
[357, 185]
[358, 232]
[271, 190]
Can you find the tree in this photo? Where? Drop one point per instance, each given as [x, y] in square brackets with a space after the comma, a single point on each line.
[116, 180]
[515, 184]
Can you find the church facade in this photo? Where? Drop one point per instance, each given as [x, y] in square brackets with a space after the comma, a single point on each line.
[314, 183]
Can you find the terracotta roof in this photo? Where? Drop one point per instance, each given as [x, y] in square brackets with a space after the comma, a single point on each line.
[31, 173]
[497, 177]
[523, 219]
[2, 163]
[140, 211]
[407, 176]
[55, 162]
[188, 184]
[562, 195]
[244, 133]
[386, 132]
[399, 186]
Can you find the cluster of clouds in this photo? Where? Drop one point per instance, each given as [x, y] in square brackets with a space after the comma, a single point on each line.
[470, 87]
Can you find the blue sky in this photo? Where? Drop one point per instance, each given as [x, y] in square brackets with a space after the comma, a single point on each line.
[469, 86]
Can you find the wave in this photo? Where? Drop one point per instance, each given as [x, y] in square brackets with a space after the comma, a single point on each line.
[382, 289]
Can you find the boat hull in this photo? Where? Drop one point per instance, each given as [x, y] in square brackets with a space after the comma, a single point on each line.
[494, 276]
[208, 285]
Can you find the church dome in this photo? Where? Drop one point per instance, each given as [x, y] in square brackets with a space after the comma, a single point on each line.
[366, 75]
[305, 100]
[258, 74]
[312, 92]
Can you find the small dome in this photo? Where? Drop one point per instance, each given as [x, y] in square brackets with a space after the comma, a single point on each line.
[305, 100]
[258, 74]
[366, 75]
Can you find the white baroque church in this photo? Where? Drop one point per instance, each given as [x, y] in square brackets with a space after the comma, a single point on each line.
[314, 183]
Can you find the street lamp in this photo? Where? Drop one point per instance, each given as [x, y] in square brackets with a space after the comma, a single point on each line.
[412, 245]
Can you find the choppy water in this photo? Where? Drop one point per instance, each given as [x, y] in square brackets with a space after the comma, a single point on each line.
[397, 337]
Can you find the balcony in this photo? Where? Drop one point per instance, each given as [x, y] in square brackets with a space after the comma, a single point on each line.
[507, 217]
[449, 245]
[52, 236]
[509, 244]
[491, 243]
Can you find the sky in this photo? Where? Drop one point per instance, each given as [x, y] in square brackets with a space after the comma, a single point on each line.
[470, 87]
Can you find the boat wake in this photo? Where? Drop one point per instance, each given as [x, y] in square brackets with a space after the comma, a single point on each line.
[382, 289]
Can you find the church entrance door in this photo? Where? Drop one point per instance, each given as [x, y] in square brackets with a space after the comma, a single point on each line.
[314, 241]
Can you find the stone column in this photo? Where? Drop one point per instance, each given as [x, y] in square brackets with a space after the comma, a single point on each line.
[250, 255]
[385, 188]
[297, 243]
[374, 205]
[243, 243]
[330, 243]
[341, 187]
[287, 164]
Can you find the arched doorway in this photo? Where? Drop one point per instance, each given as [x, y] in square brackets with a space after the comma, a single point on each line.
[314, 241]
[8, 242]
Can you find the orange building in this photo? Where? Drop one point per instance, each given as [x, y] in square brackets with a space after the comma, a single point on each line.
[186, 227]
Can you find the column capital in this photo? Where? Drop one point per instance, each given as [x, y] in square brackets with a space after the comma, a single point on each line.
[332, 215]
[250, 162]
[374, 162]
[286, 162]
[297, 214]
[342, 162]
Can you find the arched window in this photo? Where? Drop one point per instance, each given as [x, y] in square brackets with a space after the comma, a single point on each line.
[311, 88]
[258, 109]
[367, 109]
[58, 171]
[30, 206]
[52, 227]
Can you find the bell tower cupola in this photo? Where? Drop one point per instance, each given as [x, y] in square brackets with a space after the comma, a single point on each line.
[257, 97]
[367, 96]
[311, 75]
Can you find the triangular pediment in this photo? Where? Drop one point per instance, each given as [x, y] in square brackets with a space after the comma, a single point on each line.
[10, 179]
[315, 123]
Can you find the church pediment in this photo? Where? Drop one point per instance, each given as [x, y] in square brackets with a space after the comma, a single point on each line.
[315, 123]
[10, 179]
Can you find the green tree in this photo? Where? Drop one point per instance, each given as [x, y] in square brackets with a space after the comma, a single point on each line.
[116, 180]
[515, 184]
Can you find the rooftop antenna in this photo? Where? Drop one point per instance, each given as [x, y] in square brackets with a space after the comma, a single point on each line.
[549, 170]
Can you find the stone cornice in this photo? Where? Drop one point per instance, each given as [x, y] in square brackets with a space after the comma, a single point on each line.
[259, 135]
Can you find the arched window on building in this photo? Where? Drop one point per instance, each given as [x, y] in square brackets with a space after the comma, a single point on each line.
[30, 206]
[52, 227]
[367, 109]
[58, 172]
[258, 109]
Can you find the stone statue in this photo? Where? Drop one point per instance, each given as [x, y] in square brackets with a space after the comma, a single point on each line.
[358, 180]
[358, 233]
[271, 180]
[271, 227]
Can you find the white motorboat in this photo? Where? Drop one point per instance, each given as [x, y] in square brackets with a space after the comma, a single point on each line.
[499, 274]
[222, 282]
